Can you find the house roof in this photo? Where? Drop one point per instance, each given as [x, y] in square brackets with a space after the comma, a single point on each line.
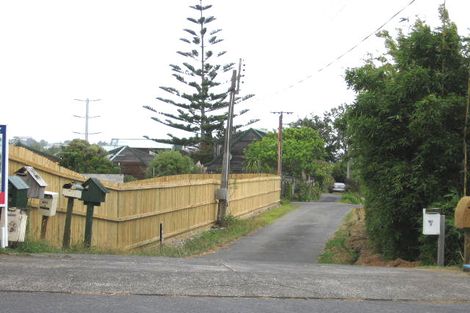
[136, 143]
[123, 154]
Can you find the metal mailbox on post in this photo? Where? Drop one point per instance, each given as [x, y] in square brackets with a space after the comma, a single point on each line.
[93, 194]
[17, 193]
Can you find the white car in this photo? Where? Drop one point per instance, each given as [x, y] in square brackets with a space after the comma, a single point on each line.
[338, 187]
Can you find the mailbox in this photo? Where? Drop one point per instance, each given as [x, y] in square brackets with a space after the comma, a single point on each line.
[17, 225]
[17, 193]
[36, 183]
[93, 192]
[462, 213]
[72, 190]
[48, 204]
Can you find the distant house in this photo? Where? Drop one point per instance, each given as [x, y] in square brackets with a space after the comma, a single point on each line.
[239, 143]
[133, 156]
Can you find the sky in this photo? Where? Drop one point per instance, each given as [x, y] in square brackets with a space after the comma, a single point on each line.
[119, 51]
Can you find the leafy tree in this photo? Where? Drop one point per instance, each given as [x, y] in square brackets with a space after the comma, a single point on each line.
[303, 149]
[199, 101]
[406, 128]
[83, 157]
[332, 128]
[170, 163]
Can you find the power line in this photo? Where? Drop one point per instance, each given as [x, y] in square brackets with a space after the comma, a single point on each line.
[338, 58]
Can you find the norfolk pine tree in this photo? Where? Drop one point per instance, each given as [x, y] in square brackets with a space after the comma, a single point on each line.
[203, 93]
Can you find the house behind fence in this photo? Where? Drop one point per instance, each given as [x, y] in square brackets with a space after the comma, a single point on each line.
[133, 211]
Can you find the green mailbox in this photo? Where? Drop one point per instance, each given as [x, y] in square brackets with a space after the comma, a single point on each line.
[17, 193]
[93, 192]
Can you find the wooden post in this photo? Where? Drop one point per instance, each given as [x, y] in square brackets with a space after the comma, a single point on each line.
[88, 224]
[466, 257]
[441, 242]
[161, 236]
[44, 221]
[68, 224]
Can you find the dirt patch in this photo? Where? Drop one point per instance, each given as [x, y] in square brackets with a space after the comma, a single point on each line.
[357, 240]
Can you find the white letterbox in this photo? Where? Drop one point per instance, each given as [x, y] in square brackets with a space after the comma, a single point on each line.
[48, 205]
[431, 223]
[72, 190]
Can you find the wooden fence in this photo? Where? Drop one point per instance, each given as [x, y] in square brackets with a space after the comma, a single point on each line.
[133, 211]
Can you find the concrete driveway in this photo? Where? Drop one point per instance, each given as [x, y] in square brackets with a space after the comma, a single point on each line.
[298, 237]
[272, 271]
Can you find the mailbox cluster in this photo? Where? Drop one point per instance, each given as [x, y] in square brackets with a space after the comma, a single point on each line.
[27, 183]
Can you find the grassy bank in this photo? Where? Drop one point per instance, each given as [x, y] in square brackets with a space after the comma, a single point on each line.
[337, 249]
[204, 242]
[212, 239]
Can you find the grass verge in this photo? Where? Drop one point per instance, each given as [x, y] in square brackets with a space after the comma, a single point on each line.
[214, 238]
[337, 249]
[204, 242]
[351, 198]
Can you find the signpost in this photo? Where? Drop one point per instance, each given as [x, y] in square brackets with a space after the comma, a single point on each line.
[3, 186]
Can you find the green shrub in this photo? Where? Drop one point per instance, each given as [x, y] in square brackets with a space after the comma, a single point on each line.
[170, 163]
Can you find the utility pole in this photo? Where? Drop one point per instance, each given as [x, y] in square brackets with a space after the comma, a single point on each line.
[279, 141]
[465, 146]
[87, 116]
[222, 193]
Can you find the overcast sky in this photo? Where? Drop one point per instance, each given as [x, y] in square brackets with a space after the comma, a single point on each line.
[55, 51]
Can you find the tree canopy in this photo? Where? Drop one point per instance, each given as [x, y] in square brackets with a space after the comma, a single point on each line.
[406, 130]
[82, 157]
[303, 152]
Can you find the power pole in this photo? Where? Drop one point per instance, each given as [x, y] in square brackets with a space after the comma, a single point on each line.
[465, 147]
[87, 116]
[222, 193]
[279, 141]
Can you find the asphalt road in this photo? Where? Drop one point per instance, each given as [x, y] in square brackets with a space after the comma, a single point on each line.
[299, 237]
[215, 283]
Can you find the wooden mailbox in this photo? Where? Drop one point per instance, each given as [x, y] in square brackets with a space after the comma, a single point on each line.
[462, 213]
[36, 183]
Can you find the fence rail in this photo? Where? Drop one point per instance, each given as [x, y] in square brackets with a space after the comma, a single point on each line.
[133, 211]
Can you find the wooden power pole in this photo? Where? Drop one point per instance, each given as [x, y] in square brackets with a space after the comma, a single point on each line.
[279, 142]
[222, 193]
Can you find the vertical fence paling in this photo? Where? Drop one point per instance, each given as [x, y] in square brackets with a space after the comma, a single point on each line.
[127, 219]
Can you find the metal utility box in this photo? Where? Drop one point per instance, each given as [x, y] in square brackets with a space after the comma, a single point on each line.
[462, 213]
[72, 190]
[16, 225]
[17, 193]
[48, 205]
[93, 192]
[36, 183]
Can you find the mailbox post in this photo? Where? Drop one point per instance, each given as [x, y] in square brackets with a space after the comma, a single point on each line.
[462, 221]
[71, 191]
[47, 207]
[94, 193]
[434, 224]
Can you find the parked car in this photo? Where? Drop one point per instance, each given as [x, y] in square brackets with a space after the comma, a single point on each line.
[338, 187]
